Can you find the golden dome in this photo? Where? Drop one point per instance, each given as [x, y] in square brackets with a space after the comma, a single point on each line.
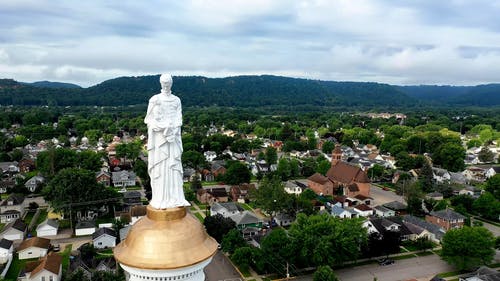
[165, 239]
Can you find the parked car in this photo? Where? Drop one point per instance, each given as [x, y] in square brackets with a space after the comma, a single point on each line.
[385, 261]
[56, 248]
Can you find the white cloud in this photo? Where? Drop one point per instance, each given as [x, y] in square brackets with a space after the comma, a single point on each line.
[403, 42]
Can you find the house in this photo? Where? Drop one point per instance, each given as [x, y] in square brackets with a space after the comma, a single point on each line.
[10, 215]
[137, 212]
[35, 247]
[131, 198]
[26, 165]
[352, 180]
[440, 175]
[14, 230]
[212, 195]
[240, 193]
[471, 191]
[293, 188]
[13, 203]
[6, 249]
[123, 178]
[47, 228]
[474, 173]
[103, 177]
[432, 232]
[398, 207]
[9, 167]
[483, 273]
[104, 238]
[381, 211]
[492, 171]
[33, 183]
[210, 155]
[340, 212]
[246, 219]
[320, 184]
[447, 219]
[85, 228]
[457, 178]
[46, 269]
[225, 209]
[283, 219]
[363, 210]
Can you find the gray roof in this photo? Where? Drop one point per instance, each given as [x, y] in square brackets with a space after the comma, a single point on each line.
[382, 209]
[448, 215]
[85, 224]
[432, 228]
[50, 222]
[246, 217]
[16, 199]
[435, 194]
[395, 205]
[102, 231]
[483, 273]
[336, 210]
[229, 206]
[5, 244]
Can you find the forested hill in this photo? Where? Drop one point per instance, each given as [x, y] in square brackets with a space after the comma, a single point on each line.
[249, 91]
[481, 95]
[239, 91]
[50, 84]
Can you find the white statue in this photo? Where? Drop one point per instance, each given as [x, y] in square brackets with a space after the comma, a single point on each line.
[164, 120]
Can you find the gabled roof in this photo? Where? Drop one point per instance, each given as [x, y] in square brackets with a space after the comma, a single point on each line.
[218, 192]
[85, 224]
[245, 217]
[432, 228]
[49, 222]
[363, 207]
[319, 178]
[51, 262]
[336, 210]
[345, 173]
[103, 231]
[448, 215]
[228, 206]
[395, 205]
[38, 242]
[132, 194]
[16, 199]
[5, 243]
[382, 209]
[17, 224]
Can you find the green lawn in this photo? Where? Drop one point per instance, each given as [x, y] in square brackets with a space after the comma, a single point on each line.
[246, 207]
[28, 217]
[15, 268]
[65, 258]
[42, 217]
[199, 217]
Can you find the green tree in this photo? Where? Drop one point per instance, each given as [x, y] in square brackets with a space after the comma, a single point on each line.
[328, 147]
[271, 196]
[324, 273]
[487, 205]
[237, 173]
[242, 257]
[194, 159]
[492, 185]
[76, 188]
[485, 154]
[468, 247]
[217, 226]
[276, 247]
[376, 171]
[323, 166]
[77, 275]
[426, 177]
[450, 156]
[284, 170]
[232, 240]
[271, 155]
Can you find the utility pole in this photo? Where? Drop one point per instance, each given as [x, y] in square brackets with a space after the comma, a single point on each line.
[287, 273]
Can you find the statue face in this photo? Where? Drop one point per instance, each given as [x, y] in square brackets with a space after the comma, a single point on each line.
[166, 81]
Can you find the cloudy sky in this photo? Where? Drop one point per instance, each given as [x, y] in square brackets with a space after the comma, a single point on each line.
[399, 42]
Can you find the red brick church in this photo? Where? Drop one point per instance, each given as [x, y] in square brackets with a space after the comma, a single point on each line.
[351, 179]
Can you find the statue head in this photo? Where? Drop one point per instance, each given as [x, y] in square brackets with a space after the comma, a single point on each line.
[166, 82]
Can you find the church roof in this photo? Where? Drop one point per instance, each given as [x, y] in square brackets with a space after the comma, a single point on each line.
[345, 173]
[319, 178]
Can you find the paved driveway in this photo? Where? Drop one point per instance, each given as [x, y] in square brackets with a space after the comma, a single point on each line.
[220, 268]
[419, 268]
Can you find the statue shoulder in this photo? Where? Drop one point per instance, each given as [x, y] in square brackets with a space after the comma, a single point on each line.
[153, 98]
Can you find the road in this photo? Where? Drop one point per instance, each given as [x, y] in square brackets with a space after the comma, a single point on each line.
[220, 268]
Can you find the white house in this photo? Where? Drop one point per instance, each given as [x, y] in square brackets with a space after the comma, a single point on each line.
[34, 182]
[46, 269]
[381, 211]
[85, 228]
[6, 249]
[123, 178]
[14, 230]
[283, 219]
[104, 238]
[363, 210]
[47, 228]
[340, 212]
[225, 209]
[35, 247]
[293, 188]
[441, 175]
[210, 155]
[492, 171]
[9, 216]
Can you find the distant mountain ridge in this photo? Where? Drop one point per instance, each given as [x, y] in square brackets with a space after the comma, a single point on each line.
[50, 84]
[248, 91]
